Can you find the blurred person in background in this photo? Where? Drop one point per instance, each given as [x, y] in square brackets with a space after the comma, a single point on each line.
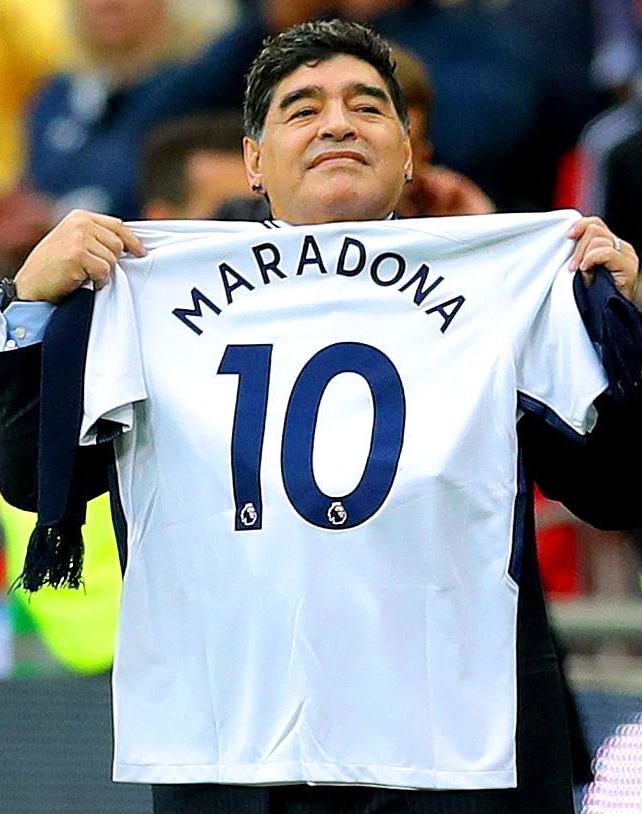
[434, 190]
[562, 41]
[85, 128]
[35, 41]
[623, 186]
[603, 133]
[138, 67]
[617, 58]
[193, 165]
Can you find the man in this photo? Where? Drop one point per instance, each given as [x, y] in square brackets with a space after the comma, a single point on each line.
[192, 166]
[435, 190]
[85, 126]
[326, 142]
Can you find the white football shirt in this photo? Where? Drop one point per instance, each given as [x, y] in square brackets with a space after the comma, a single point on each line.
[319, 477]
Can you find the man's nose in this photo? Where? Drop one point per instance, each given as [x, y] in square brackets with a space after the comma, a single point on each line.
[337, 123]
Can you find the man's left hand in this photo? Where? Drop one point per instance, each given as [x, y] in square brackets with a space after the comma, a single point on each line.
[598, 246]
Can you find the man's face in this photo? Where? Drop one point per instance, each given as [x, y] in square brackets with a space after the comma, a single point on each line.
[107, 24]
[211, 177]
[333, 146]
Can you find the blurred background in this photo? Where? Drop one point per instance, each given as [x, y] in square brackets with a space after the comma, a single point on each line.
[132, 107]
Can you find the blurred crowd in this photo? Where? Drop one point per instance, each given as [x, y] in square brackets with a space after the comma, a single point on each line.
[133, 108]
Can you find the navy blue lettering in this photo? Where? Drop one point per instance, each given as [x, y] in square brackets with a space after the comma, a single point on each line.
[401, 268]
[184, 313]
[419, 277]
[447, 310]
[310, 256]
[228, 274]
[268, 264]
[341, 265]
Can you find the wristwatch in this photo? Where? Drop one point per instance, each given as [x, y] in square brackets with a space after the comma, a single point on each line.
[7, 292]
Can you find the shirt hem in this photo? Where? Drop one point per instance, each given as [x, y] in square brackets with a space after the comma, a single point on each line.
[258, 775]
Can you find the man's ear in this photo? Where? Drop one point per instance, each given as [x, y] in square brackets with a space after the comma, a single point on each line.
[408, 163]
[252, 160]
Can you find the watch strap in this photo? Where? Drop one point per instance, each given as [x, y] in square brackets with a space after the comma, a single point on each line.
[7, 292]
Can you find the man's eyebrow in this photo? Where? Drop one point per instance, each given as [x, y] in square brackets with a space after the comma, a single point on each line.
[307, 92]
[362, 89]
[316, 91]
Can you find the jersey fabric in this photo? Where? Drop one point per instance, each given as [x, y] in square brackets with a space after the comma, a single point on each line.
[319, 476]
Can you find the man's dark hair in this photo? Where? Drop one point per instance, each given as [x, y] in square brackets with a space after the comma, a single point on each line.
[170, 145]
[313, 42]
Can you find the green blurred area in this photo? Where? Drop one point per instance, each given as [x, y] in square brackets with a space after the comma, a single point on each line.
[64, 631]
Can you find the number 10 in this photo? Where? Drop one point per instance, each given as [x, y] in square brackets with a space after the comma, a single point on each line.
[251, 363]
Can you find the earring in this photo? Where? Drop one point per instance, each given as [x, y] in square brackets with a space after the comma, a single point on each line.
[257, 188]
[407, 179]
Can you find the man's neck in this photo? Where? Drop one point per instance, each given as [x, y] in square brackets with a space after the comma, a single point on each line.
[283, 222]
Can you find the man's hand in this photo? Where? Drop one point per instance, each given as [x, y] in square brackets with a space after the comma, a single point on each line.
[437, 191]
[598, 246]
[83, 246]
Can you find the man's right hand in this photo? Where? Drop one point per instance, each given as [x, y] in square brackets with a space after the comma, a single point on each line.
[83, 246]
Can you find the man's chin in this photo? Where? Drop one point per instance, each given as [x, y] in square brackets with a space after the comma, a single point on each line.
[334, 200]
[342, 202]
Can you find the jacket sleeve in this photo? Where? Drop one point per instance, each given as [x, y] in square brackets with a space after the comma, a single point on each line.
[19, 417]
[20, 430]
[591, 475]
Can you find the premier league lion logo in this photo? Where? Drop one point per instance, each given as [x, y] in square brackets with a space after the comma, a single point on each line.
[337, 514]
[248, 515]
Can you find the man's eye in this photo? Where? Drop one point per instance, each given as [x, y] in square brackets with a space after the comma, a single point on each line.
[368, 109]
[303, 113]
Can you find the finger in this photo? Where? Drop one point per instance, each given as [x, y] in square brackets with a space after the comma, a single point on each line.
[97, 269]
[131, 241]
[96, 248]
[598, 251]
[620, 258]
[580, 226]
[593, 234]
[110, 239]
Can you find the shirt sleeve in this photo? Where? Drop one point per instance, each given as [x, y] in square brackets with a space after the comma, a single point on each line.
[114, 379]
[23, 323]
[559, 372]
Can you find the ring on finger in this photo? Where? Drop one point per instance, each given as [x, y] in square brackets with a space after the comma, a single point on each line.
[617, 244]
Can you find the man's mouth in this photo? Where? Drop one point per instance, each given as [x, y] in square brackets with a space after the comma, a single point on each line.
[338, 155]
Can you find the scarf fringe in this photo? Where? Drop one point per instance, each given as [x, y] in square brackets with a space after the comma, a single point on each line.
[54, 557]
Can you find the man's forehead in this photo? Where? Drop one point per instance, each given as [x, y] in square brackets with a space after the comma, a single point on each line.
[339, 72]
